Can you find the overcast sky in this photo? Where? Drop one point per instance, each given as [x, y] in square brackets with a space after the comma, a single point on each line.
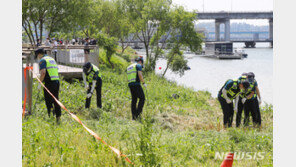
[229, 5]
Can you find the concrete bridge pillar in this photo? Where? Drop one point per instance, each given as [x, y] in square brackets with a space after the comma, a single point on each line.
[271, 32]
[217, 30]
[270, 29]
[226, 23]
[227, 30]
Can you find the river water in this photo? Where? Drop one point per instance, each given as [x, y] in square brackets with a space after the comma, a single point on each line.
[210, 74]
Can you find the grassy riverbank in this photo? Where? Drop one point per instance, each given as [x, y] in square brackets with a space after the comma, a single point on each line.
[186, 131]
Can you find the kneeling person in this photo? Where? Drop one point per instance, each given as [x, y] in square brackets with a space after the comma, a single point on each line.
[92, 80]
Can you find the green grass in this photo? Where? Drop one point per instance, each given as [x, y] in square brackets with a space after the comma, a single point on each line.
[186, 131]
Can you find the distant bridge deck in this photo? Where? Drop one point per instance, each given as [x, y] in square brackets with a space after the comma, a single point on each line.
[234, 15]
[244, 40]
[232, 40]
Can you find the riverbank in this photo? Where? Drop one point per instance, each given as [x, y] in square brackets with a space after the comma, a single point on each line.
[183, 131]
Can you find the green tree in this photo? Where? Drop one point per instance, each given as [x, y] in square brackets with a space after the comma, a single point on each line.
[182, 34]
[122, 27]
[158, 23]
[145, 17]
[109, 44]
[52, 15]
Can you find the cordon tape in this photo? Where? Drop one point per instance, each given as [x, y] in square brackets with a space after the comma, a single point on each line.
[116, 151]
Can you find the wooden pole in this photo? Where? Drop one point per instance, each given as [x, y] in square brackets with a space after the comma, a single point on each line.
[30, 86]
[29, 82]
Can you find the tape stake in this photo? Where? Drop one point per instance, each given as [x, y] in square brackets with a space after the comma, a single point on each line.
[116, 151]
[25, 97]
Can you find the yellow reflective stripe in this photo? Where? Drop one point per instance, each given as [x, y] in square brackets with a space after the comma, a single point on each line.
[132, 72]
[54, 76]
[51, 67]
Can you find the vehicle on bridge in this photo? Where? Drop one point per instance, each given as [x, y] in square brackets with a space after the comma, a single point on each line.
[223, 50]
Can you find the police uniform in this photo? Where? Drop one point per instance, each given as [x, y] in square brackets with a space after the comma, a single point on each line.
[52, 83]
[94, 74]
[232, 88]
[136, 89]
[252, 105]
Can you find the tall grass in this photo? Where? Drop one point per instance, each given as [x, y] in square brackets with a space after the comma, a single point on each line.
[183, 131]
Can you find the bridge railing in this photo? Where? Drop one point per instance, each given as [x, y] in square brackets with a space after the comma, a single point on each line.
[70, 55]
[241, 39]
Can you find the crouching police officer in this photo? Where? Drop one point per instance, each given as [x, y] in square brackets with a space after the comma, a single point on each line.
[92, 80]
[50, 76]
[245, 102]
[253, 101]
[230, 90]
[134, 75]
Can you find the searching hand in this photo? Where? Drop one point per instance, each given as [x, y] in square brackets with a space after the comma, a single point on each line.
[145, 85]
[244, 100]
[228, 101]
[88, 95]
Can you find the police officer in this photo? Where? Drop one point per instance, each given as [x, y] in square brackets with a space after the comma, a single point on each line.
[92, 80]
[253, 102]
[245, 102]
[239, 102]
[134, 75]
[50, 76]
[230, 90]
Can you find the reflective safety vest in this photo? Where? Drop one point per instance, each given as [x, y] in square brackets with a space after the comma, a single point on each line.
[242, 78]
[52, 68]
[233, 91]
[90, 76]
[132, 73]
[249, 90]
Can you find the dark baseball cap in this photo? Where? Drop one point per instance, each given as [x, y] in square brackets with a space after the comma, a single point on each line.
[244, 74]
[139, 59]
[251, 75]
[40, 50]
[246, 84]
[86, 67]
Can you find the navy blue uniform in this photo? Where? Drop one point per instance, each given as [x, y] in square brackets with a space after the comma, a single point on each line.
[137, 93]
[53, 87]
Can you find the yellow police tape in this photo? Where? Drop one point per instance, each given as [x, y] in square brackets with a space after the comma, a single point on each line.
[116, 151]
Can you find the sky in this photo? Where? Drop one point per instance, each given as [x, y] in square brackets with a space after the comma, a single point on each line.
[229, 5]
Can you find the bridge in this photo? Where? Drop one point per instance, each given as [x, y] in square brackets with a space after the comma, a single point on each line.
[225, 17]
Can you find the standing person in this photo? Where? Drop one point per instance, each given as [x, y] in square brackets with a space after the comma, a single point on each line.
[47, 42]
[50, 76]
[230, 90]
[55, 51]
[134, 75]
[73, 41]
[92, 80]
[38, 42]
[252, 104]
[94, 42]
[86, 43]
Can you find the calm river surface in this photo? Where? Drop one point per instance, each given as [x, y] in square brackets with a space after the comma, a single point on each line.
[210, 74]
